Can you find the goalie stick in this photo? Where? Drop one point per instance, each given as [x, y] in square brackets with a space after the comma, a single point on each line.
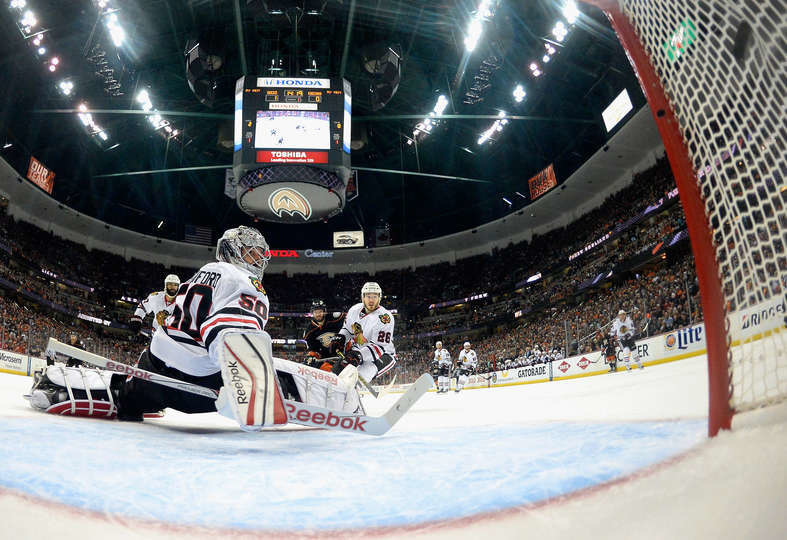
[297, 412]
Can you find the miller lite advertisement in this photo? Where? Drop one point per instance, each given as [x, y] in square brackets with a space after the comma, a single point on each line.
[41, 175]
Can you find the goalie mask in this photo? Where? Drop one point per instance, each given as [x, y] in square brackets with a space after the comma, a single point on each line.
[171, 285]
[244, 247]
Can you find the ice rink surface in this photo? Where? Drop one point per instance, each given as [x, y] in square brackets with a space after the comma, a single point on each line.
[611, 456]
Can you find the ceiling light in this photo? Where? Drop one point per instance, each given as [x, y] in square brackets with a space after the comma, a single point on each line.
[440, 106]
[545, 58]
[160, 223]
[519, 93]
[52, 67]
[116, 31]
[473, 34]
[143, 96]
[66, 87]
[29, 19]
[42, 51]
[507, 201]
[175, 133]
[37, 40]
[55, 61]
[571, 11]
[18, 4]
[103, 135]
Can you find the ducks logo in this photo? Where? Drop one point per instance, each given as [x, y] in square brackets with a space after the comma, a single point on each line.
[289, 201]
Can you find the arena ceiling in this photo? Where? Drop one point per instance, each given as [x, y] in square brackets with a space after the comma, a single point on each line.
[558, 121]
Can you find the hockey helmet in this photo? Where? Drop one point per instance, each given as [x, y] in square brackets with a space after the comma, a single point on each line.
[371, 287]
[466, 345]
[438, 345]
[244, 247]
[171, 279]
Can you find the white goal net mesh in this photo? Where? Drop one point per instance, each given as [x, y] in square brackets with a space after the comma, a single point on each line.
[722, 64]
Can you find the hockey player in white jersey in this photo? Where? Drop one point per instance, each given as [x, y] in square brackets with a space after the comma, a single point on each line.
[366, 340]
[214, 338]
[465, 364]
[443, 359]
[159, 303]
[623, 329]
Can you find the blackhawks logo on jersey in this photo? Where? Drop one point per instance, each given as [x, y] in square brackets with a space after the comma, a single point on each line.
[385, 318]
[257, 284]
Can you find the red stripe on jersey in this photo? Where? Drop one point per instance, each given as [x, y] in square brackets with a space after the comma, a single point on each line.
[376, 348]
[250, 410]
[228, 319]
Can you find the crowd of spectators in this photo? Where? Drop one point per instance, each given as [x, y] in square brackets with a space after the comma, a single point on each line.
[557, 312]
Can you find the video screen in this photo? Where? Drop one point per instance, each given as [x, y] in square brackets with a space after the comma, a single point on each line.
[293, 130]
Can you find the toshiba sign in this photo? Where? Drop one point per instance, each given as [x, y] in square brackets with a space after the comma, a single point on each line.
[291, 156]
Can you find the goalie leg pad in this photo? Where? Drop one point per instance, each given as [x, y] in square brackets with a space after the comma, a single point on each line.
[251, 393]
[317, 387]
[73, 391]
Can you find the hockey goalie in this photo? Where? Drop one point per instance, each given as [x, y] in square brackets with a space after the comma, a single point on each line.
[215, 338]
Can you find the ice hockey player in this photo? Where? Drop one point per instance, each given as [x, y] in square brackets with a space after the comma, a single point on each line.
[443, 359]
[159, 303]
[214, 338]
[366, 340]
[623, 329]
[322, 328]
[608, 351]
[74, 341]
[466, 364]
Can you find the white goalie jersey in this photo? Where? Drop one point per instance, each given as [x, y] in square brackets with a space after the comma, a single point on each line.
[467, 360]
[218, 297]
[624, 329]
[157, 304]
[442, 357]
[374, 331]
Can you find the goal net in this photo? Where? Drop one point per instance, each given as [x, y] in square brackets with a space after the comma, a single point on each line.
[714, 75]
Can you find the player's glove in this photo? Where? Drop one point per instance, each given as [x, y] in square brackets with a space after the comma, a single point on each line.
[352, 357]
[337, 344]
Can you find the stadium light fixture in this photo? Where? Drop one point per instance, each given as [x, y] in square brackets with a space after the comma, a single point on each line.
[52, 67]
[37, 40]
[473, 34]
[103, 135]
[519, 93]
[54, 61]
[546, 58]
[160, 224]
[116, 31]
[41, 51]
[509, 203]
[18, 4]
[571, 11]
[28, 20]
[560, 31]
[66, 87]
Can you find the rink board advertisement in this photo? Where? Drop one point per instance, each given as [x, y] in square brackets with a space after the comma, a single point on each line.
[19, 364]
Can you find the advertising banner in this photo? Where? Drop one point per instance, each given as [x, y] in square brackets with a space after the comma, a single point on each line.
[347, 239]
[41, 175]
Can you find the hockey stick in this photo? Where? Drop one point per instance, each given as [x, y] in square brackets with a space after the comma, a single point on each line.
[297, 412]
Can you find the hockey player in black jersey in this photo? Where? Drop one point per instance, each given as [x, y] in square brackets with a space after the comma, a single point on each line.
[318, 334]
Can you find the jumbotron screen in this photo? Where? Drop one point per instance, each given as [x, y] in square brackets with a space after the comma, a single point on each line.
[292, 120]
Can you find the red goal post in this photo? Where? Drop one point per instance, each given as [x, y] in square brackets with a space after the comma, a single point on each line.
[714, 76]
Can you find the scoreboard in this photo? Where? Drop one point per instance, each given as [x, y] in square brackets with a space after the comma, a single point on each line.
[292, 131]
